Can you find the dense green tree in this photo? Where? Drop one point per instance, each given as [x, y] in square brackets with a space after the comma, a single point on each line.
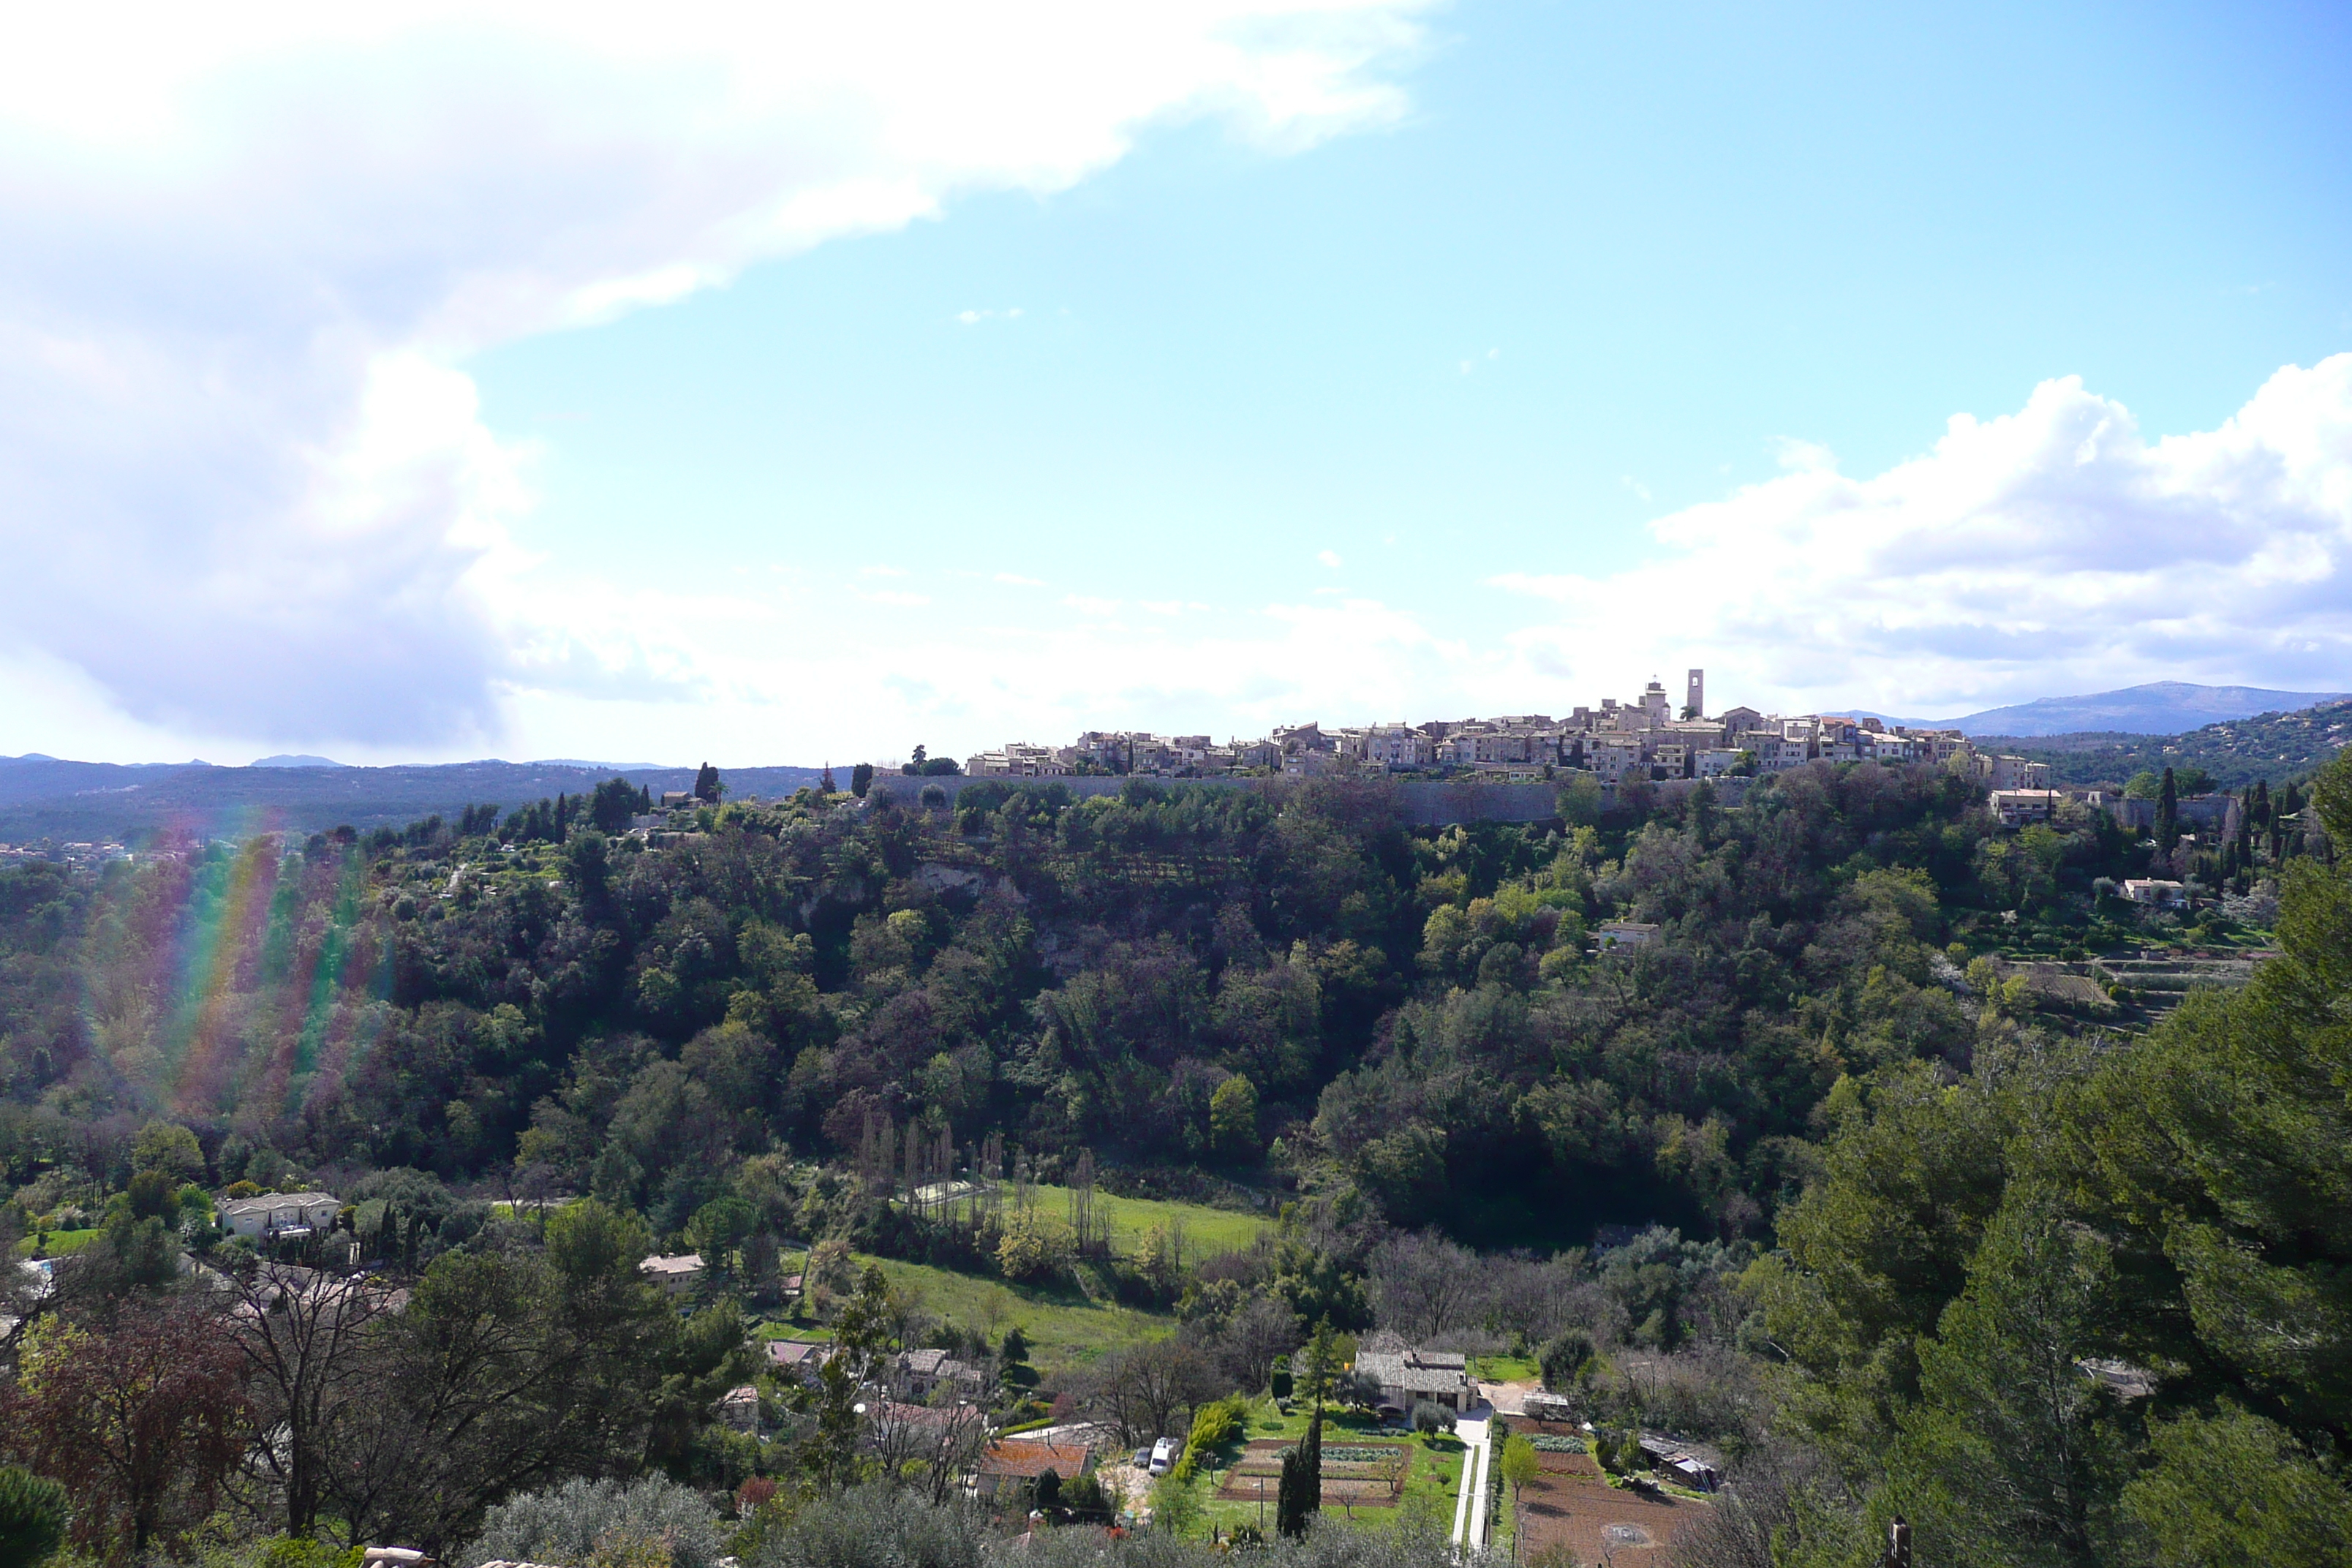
[170, 1149]
[33, 1517]
[2016, 1453]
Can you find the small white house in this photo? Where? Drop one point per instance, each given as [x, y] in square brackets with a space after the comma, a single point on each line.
[673, 1272]
[1407, 1374]
[276, 1214]
[1623, 934]
[2153, 890]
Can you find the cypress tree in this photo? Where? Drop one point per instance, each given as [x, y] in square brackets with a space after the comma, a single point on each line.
[2168, 812]
[1291, 1495]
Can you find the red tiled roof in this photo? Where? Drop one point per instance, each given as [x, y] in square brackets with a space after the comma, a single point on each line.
[1012, 1456]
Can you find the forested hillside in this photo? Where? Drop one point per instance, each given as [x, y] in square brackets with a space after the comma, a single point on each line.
[1796, 1164]
[2269, 747]
[1415, 1015]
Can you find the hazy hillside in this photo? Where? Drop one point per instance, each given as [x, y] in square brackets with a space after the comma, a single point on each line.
[2158, 708]
[2272, 746]
[68, 801]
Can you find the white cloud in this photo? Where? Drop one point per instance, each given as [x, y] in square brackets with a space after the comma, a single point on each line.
[894, 596]
[972, 318]
[1329, 558]
[2055, 549]
[1803, 457]
[1014, 580]
[244, 255]
[2048, 552]
[881, 571]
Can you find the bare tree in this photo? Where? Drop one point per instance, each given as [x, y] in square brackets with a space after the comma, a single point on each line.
[1424, 1285]
[301, 1332]
[932, 1447]
[1253, 1339]
[1139, 1391]
[1527, 1299]
[1775, 1501]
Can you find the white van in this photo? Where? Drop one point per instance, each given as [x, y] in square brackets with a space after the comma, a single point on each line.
[1164, 1455]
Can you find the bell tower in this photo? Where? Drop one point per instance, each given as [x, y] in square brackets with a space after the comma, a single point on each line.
[1696, 702]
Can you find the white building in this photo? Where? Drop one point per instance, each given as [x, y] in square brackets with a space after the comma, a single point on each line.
[1019, 758]
[2018, 806]
[676, 1273]
[2152, 891]
[278, 1214]
[1623, 934]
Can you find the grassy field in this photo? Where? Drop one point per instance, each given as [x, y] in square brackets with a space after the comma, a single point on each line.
[1207, 1231]
[1064, 1328]
[61, 1243]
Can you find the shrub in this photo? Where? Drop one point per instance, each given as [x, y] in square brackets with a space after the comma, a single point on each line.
[1033, 1248]
[1219, 1421]
[583, 1523]
[879, 1527]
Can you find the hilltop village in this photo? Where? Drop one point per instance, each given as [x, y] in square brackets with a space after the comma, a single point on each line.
[1648, 738]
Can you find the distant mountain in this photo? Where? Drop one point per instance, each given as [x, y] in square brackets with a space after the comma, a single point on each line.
[27, 757]
[2160, 707]
[295, 760]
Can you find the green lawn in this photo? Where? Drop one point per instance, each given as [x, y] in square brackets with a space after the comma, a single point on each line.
[776, 1329]
[61, 1243]
[1207, 1231]
[1063, 1327]
[1505, 1368]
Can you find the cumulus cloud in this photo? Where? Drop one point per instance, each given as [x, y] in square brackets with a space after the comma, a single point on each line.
[2053, 550]
[244, 255]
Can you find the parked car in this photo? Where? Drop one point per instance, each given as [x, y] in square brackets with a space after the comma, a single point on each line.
[1142, 1461]
[1164, 1455]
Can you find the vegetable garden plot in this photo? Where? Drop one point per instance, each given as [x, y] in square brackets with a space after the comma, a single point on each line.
[1369, 1474]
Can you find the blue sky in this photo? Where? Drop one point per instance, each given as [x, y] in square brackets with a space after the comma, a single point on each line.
[1582, 343]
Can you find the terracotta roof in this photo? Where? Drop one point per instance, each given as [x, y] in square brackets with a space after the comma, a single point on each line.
[1013, 1456]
